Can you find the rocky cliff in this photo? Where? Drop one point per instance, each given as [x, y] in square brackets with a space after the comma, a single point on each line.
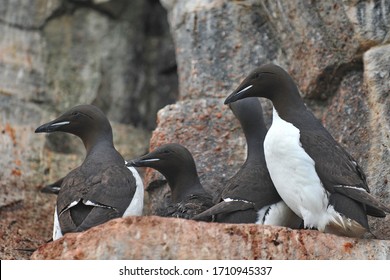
[338, 52]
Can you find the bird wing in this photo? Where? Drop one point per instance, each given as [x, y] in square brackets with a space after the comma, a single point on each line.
[252, 183]
[338, 171]
[188, 207]
[224, 207]
[86, 201]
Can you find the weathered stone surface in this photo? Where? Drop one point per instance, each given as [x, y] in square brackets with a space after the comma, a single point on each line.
[370, 20]
[22, 64]
[349, 119]
[377, 79]
[93, 58]
[206, 68]
[169, 238]
[22, 14]
[326, 37]
[317, 36]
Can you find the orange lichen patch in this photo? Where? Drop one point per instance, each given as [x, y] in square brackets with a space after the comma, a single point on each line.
[347, 247]
[11, 132]
[16, 172]
[218, 115]
[18, 162]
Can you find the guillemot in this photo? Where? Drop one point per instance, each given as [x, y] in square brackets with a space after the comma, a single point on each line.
[250, 196]
[102, 187]
[313, 174]
[176, 163]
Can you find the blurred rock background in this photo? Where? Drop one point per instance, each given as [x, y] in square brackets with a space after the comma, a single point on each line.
[132, 58]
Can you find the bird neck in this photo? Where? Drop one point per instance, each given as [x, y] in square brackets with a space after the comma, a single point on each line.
[255, 150]
[288, 103]
[97, 141]
[184, 185]
[254, 131]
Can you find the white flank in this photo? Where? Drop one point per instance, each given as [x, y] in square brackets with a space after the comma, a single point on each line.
[60, 123]
[137, 203]
[294, 176]
[57, 233]
[278, 214]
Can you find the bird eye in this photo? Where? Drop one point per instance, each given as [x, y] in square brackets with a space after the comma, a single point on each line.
[75, 114]
[257, 75]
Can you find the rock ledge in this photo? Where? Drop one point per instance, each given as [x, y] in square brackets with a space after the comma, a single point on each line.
[152, 237]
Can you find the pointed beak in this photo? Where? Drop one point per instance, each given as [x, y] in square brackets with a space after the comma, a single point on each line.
[142, 162]
[51, 126]
[238, 94]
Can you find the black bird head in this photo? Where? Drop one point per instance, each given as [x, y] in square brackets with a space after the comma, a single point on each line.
[169, 159]
[85, 121]
[177, 165]
[262, 82]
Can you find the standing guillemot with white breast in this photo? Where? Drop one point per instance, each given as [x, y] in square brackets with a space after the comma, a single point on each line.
[176, 163]
[102, 187]
[312, 173]
[250, 196]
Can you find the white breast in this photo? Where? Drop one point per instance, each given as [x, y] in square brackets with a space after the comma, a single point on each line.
[137, 203]
[293, 174]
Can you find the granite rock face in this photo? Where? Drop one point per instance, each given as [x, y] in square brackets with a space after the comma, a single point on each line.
[168, 238]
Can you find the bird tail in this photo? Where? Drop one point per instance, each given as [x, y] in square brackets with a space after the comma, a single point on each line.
[374, 206]
[224, 207]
